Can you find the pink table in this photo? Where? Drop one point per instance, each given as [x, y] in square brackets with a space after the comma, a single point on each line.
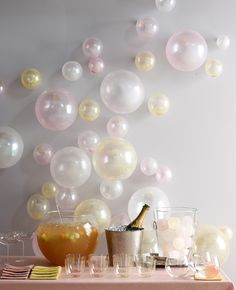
[160, 280]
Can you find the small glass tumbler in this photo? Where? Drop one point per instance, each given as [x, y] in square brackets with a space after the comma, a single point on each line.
[206, 266]
[74, 265]
[98, 266]
[145, 265]
[123, 264]
[177, 268]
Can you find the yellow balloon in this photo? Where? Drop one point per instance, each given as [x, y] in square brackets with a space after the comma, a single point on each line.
[98, 209]
[145, 61]
[227, 231]
[210, 239]
[31, 78]
[114, 159]
[49, 190]
[214, 68]
[89, 110]
[37, 206]
[158, 104]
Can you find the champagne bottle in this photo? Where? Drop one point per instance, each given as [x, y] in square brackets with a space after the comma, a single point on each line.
[137, 223]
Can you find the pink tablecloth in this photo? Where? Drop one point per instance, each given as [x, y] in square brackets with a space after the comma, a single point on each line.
[159, 281]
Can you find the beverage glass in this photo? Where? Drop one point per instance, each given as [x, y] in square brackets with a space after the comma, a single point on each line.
[177, 268]
[145, 265]
[74, 265]
[98, 265]
[123, 265]
[206, 266]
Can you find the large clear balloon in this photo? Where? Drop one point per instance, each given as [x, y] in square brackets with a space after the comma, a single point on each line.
[117, 127]
[114, 159]
[98, 209]
[152, 196]
[111, 189]
[56, 110]
[186, 50]
[11, 147]
[43, 154]
[211, 239]
[122, 91]
[70, 167]
[88, 141]
[67, 198]
[38, 206]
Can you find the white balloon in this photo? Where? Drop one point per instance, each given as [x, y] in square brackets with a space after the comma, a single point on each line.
[67, 198]
[148, 166]
[111, 189]
[223, 41]
[11, 147]
[147, 26]
[117, 127]
[72, 71]
[122, 92]
[165, 5]
[88, 141]
[152, 196]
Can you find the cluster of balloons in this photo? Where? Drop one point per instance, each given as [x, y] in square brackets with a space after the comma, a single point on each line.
[214, 240]
[92, 48]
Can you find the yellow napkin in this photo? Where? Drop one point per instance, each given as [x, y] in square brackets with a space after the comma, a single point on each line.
[216, 278]
[45, 273]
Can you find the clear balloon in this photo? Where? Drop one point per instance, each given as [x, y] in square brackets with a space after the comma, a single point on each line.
[111, 189]
[117, 127]
[210, 239]
[35, 246]
[122, 92]
[72, 71]
[89, 110]
[214, 68]
[37, 206]
[147, 26]
[11, 147]
[152, 196]
[148, 166]
[114, 159]
[70, 167]
[163, 174]
[186, 51]
[88, 141]
[145, 61]
[2, 88]
[67, 198]
[31, 78]
[98, 209]
[165, 5]
[227, 231]
[49, 190]
[43, 153]
[223, 41]
[96, 65]
[92, 47]
[158, 104]
[56, 110]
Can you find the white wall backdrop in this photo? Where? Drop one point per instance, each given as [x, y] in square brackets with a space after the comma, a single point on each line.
[196, 139]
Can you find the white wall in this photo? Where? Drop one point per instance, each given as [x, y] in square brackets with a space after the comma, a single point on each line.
[196, 139]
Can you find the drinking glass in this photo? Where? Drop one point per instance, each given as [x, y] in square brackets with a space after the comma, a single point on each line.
[98, 265]
[177, 268]
[145, 265]
[206, 266]
[123, 264]
[74, 265]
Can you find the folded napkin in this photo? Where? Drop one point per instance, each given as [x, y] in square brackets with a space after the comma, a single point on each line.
[199, 277]
[11, 272]
[45, 273]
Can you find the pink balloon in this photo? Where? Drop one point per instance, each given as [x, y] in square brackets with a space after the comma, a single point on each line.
[35, 246]
[163, 174]
[43, 153]
[117, 127]
[96, 65]
[186, 51]
[56, 110]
